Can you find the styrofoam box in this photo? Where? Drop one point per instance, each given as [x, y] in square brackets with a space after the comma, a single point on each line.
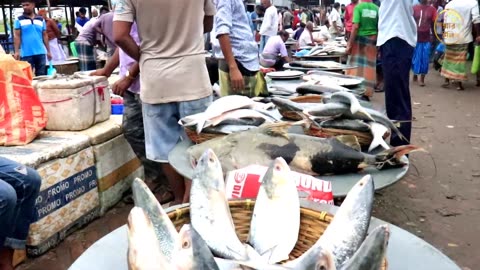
[103, 108]
[117, 166]
[69, 103]
[68, 199]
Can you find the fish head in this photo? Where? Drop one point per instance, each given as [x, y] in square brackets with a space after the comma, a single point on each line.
[276, 177]
[325, 261]
[143, 246]
[209, 171]
[143, 196]
[191, 251]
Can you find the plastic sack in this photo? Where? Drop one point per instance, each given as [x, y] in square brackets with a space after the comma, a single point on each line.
[476, 60]
[22, 115]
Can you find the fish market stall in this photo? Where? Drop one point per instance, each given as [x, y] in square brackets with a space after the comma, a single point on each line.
[405, 251]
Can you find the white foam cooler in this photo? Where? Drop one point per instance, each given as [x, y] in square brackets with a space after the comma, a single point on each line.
[103, 108]
[69, 103]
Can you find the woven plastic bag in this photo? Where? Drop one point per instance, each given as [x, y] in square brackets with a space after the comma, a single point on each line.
[22, 115]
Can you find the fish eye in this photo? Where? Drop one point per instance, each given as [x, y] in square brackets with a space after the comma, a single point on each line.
[211, 160]
[185, 244]
[277, 168]
[321, 267]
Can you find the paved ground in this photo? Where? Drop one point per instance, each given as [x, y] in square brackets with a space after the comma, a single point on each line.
[439, 199]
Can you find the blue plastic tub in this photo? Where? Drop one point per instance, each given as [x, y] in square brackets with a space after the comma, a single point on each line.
[117, 108]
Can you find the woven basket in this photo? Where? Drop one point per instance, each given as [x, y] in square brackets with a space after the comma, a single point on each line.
[302, 99]
[364, 138]
[202, 137]
[67, 68]
[312, 224]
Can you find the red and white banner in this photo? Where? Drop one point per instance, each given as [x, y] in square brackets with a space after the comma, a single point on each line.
[245, 183]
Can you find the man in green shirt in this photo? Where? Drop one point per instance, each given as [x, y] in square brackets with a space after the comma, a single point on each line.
[361, 48]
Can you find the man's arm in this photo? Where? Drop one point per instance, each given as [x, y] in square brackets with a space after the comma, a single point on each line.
[207, 24]
[16, 41]
[209, 9]
[47, 45]
[353, 36]
[110, 66]
[121, 36]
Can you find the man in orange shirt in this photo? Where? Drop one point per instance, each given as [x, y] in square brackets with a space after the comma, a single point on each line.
[349, 18]
[53, 34]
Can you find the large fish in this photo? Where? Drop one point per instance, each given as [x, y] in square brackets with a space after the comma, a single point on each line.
[276, 217]
[209, 211]
[143, 247]
[305, 154]
[287, 104]
[345, 124]
[371, 253]
[349, 227]
[192, 252]
[164, 228]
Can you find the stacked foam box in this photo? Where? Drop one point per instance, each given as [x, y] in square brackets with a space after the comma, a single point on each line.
[116, 163]
[68, 196]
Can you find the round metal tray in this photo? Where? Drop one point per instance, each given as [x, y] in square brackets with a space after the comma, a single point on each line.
[405, 250]
[341, 184]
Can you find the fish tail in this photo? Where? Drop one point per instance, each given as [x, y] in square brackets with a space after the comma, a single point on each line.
[392, 157]
[200, 126]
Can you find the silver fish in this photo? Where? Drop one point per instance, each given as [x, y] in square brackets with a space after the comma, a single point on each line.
[371, 253]
[350, 99]
[345, 124]
[164, 228]
[276, 217]
[228, 128]
[238, 114]
[143, 247]
[209, 211]
[349, 227]
[192, 252]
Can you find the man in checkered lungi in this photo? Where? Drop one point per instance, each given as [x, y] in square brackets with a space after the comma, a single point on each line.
[85, 43]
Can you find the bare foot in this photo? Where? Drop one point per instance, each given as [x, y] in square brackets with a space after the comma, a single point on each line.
[460, 86]
[415, 78]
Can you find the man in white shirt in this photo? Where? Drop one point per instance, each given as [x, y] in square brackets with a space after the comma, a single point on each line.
[270, 23]
[307, 39]
[336, 25]
[397, 38]
[459, 16]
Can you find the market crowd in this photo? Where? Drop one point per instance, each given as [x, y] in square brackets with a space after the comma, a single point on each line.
[163, 75]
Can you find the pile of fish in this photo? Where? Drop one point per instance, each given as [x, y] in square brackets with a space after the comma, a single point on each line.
[211, 241]
[229, 114]
[304, 154]
[343, 111]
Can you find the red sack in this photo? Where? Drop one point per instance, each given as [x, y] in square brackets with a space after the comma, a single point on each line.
[22, 115]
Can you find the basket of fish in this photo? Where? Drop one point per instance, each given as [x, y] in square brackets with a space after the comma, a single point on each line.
[225, 116]
[274, 231]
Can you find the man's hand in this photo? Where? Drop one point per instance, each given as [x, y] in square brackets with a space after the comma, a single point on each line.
[120, 86]
[100, 72]
[477, 40]
[348, 51]
[49, 56]
[16, 56]
[236, 80]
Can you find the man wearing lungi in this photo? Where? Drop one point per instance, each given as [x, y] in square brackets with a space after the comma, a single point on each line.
[397, 37]
[362, 46]
[425, 16]
[239, 71]
[458, 19]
